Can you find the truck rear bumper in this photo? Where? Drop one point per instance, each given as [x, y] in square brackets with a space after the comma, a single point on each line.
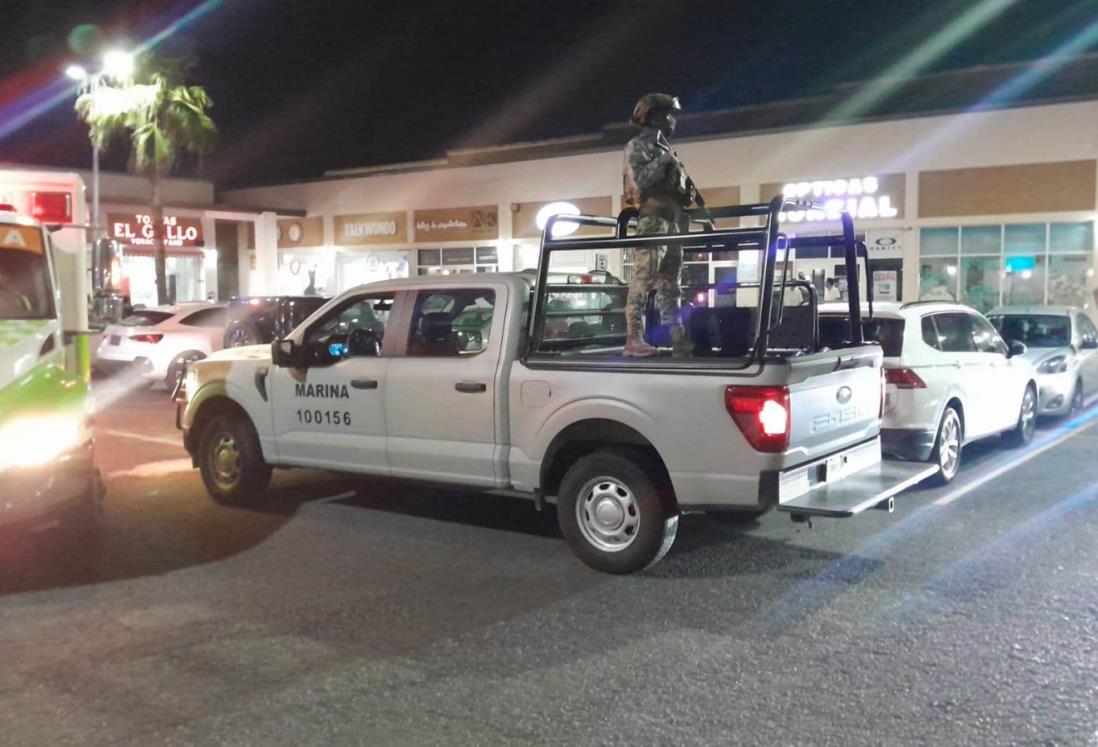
[846, 483]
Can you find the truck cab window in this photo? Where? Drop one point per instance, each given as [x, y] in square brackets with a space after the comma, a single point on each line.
[354, 328]
[451, 323]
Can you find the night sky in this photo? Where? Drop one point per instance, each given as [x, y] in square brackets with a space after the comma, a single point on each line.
[304, 86]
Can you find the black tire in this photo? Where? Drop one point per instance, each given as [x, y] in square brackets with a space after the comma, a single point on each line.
[231, 461]
[1077, 402]
[1022, 433]
[950, 434]
[634, 531]
[175, 369]
[240, 334]
[738, 517]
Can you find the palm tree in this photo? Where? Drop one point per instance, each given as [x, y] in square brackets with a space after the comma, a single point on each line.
[165, 120]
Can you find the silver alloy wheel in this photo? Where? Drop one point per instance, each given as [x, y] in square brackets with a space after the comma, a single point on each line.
[608, 514]
[949, 445]
[225, 461]
[1029, 413]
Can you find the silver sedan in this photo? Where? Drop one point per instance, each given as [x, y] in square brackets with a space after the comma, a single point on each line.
[1062, 344]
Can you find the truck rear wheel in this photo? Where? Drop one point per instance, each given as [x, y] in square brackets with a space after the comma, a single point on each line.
[610, 512]
[231, 461]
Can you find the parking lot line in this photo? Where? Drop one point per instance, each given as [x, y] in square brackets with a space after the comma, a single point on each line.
[964, 490]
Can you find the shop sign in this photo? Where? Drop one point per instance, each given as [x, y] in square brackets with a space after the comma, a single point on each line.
[137, 229]
[457, 224]
[885, 244]
[296, 233]
[864, 197]
[371, 228]
[529, 218]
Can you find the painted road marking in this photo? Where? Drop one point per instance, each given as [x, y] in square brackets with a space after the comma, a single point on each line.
[142, 437]
[964, 490]
[155, 469]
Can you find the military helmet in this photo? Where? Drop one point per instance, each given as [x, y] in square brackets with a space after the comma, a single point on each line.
[651, 102]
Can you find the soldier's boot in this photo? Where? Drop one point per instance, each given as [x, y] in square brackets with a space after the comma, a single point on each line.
[681, 344]
[636, 347]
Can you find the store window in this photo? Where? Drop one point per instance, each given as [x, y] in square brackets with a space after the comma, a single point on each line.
[457, 260]
[984, 266]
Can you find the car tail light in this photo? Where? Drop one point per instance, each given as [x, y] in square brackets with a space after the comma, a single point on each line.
[148, 337]
[51, 207]
[881, 409]
[762, 414]
[904, 378]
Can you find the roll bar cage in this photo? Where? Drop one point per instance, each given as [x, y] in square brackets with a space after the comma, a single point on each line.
[765, 237]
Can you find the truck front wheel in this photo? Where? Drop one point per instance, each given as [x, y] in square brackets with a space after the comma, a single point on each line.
[231, 461]
[610, 512]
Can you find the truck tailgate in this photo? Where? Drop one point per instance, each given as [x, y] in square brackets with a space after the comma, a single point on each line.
[834, 401]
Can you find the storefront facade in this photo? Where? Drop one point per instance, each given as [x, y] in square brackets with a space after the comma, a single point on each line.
[985, 208]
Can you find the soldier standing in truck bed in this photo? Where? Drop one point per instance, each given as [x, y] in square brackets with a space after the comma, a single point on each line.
[657, 185]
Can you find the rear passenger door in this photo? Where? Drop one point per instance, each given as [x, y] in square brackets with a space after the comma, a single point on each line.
[1088, 356]
[1006, 377]
[209, 326]
[964, 368]
[441, 400]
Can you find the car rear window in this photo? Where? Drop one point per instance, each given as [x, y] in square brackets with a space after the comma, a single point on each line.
[146, 318]
[835, 331]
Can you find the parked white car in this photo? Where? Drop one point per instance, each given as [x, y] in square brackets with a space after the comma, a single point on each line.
[156, 341]
[1062, 343]
[950, 379]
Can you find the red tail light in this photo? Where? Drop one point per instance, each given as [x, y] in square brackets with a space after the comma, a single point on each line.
[51, 207]
[147, 338]
[881, 408]
[904, 378]
[762, 415]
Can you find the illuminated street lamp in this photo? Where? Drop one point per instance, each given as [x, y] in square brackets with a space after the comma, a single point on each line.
[118, 65]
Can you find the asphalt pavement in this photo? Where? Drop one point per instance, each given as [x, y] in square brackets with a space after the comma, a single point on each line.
[379, 613]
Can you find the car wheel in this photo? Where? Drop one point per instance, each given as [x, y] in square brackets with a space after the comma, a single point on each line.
[175, 369]
[241, 334]
[231, 461]
[947, 447]
[737, 517]
[1022, 433]
[1076, 399]
[610, 512]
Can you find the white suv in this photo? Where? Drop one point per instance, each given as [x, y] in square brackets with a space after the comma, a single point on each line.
[156, 341]
[949, 379]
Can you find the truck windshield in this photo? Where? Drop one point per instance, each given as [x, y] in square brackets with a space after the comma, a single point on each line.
[24, 274]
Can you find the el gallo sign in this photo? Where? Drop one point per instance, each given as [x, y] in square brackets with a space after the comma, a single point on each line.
[138, 230]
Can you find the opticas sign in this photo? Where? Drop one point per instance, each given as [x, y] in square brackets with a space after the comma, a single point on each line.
[863, 197]
[137, 230]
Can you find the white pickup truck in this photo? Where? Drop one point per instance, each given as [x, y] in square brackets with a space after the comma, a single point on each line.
[516, 383]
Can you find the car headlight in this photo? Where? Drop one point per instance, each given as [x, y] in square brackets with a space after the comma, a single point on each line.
[34, 441]
[1055, 364]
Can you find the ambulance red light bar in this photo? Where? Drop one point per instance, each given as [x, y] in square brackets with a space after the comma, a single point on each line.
[6, 208]
[51, 207]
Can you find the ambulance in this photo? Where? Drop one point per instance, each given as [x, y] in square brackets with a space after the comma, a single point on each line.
[47, 469]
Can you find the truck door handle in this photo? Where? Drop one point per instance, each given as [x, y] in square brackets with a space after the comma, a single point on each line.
[364, 383]
[470, 387]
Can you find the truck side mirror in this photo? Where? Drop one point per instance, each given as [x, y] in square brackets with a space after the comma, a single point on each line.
[283, 353]
[1089, 343]
[1016, 348]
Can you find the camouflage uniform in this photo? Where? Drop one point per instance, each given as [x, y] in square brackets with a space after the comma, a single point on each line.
[655, 184]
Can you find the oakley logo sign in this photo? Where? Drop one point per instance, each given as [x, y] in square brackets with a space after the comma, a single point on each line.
[843, 395]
